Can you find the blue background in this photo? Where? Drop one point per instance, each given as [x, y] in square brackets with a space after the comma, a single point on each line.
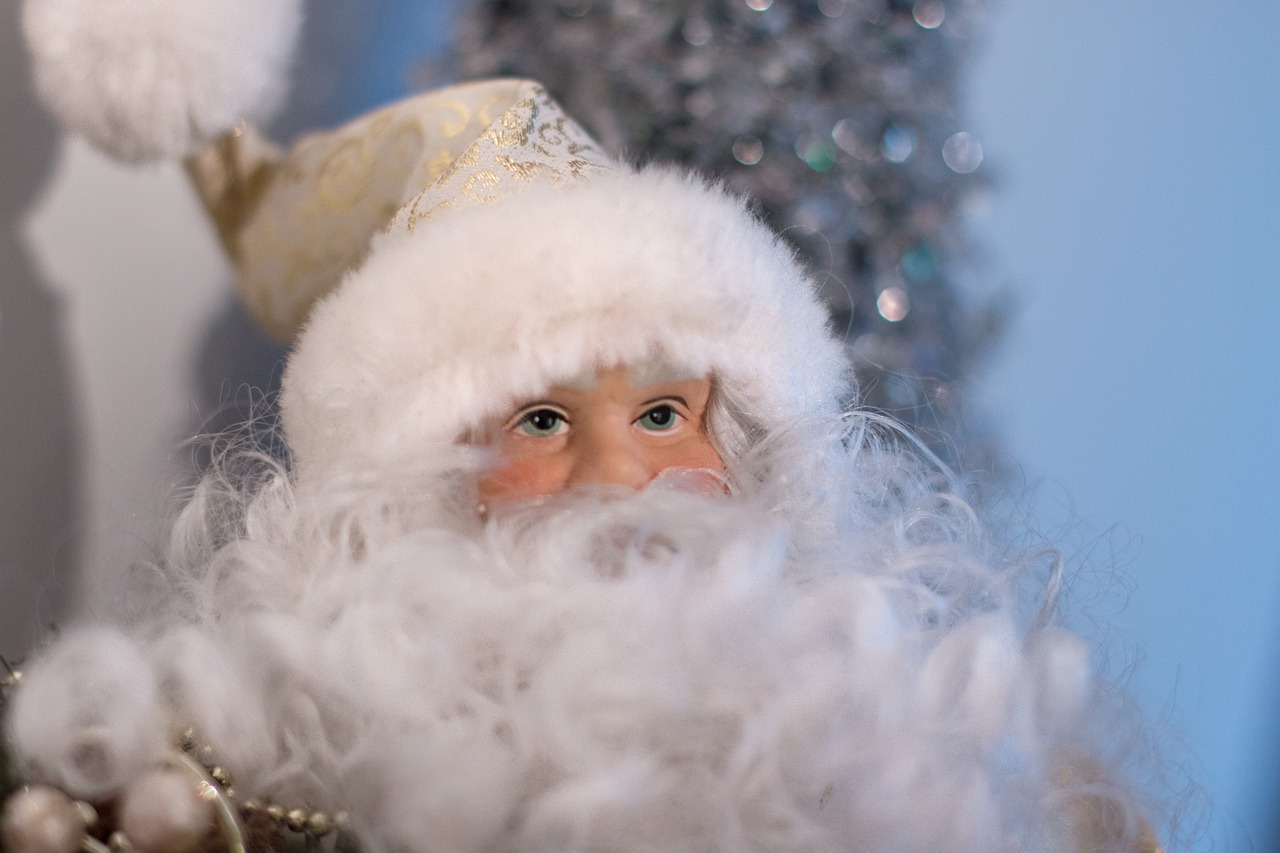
[1136, 222]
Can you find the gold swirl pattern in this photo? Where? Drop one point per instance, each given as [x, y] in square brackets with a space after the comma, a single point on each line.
[294, 221]
[533, 137]
[345, 176]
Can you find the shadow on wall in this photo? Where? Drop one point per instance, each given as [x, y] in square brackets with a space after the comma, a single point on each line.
[341, 72]
[39, 432]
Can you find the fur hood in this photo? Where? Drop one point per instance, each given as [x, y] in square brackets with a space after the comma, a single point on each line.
[447, 324]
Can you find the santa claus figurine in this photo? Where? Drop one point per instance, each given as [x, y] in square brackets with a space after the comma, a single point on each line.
[577, 545]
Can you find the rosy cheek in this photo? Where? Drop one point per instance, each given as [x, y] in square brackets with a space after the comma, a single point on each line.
[521, 479]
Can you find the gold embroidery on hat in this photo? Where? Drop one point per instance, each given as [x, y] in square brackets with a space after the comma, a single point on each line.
[579, 168]
[407, 142]
[450, 129]
[500, 101]
[512, 128]
[523, 171]
[480, 181]
[294, 221]
[345, 176]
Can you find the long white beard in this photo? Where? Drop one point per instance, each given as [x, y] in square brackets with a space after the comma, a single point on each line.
[661, 671]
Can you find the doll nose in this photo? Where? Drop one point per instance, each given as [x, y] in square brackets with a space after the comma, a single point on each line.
[610, 458]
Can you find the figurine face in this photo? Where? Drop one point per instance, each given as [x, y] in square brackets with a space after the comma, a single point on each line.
[614, 428]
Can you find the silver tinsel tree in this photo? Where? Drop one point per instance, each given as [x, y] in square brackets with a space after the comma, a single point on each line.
[841, 117]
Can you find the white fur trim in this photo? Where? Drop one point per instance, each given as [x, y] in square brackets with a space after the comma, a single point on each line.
[88, 716]
[149, 79]
[448, 325]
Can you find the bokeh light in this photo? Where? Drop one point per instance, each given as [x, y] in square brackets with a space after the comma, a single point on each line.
[897, 143]
[929, 13]
[748, 150]
[962, 152]
[893, 304]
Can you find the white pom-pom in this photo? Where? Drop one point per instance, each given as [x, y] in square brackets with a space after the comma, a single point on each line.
[150, 79]
[88, 715]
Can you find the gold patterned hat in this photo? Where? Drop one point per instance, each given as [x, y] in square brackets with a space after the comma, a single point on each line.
[295, 221]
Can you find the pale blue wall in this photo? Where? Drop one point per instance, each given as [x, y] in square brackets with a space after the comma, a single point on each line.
[1137, 147]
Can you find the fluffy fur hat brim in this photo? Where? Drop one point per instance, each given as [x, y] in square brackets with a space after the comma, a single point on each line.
[448, 325]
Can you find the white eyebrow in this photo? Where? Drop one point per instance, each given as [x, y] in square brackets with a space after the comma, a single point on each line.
[583, 380]
[654, 370]
[658, 370]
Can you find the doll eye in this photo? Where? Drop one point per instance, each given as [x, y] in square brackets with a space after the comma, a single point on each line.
[659, 418]
[542, 422]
